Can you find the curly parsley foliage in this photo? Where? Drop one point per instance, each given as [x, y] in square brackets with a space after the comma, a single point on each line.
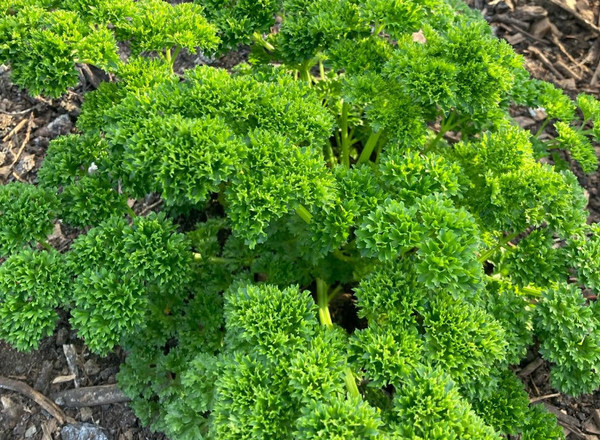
[43, 41]
[569, 335]
[32, 285]
[26, 216]
[331, 262]
[128, 270]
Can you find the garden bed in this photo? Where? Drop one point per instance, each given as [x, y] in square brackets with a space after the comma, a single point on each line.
[559, 46]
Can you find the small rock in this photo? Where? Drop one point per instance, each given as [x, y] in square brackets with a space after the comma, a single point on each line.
[31, 431]
[531, 12]
[61, 125]
[128, 435]
[10, 408]
[27, 163]
[419, 37]
[83, 431]
[85, 413]
[515, 39]
[539, 114]
[541, 27]
[5, 171]
[43, 379]
[524, 121]
[91, 367]
[61, 336]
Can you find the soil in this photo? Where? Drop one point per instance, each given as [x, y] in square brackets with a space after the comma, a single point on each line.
[560, 42]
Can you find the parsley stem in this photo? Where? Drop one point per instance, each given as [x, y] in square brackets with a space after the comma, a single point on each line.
[214, 260]
[323, 303]
[533, 291]
[131, 212]
[370, 145]
[345, 139]
[484, 257]
[329, 156]
[321, 69]
[304, 213]
[542, 127]
[305, 72]
[334, 293]
[325, 319]
[45, 245]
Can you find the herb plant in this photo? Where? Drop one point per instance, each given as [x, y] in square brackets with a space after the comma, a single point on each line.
[356, 238]
[44, 40]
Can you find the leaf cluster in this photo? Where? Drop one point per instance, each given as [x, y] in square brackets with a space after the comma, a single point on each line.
[44, 40]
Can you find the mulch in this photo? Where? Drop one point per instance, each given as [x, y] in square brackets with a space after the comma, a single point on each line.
[560, 43]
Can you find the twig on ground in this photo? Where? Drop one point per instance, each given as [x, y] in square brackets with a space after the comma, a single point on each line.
[547, 396]
[48, 405]
[594, 80]
[514, 26]
[531, 367]
[15, 130]
[17, 113]
[91, 396]
[150, 207]
[575, 14]
[546, 61]
[25, 141]
[565, 68]
[562, 48]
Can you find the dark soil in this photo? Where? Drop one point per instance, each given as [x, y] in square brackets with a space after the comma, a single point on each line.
[559, 44]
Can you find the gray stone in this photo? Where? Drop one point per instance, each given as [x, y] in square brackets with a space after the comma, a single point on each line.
[83, 431]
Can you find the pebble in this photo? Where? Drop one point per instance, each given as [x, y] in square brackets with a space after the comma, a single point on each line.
[85, 413]
[61, 336]
[31, 431]
[91, 367]
[83, 431]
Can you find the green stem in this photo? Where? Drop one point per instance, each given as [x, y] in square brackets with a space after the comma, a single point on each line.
[378, 28]
[542, 127]
[484, 257]
[378, 153]
[304, 213]
[131, 212]
[536, 292]
[323, 303]
[446, 125]
[321, 69]
[583, 124]
[334, 293]
[45, 245]
[305, 72]
[365, 155]
[329, 156]
[340, 256]
[215, 260]
[345, 139]
[533, 291]
[325, 319]
[351, 383]
[259, 40]
[173, 56]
